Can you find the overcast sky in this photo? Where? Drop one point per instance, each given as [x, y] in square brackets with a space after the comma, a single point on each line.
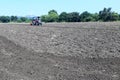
[40, 7]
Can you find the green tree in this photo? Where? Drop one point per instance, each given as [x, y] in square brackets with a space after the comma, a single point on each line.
[105, 14]
[89, 18]
[52, 11]
[4, 19]
[63, 17]
[86, 17]
[51, 17]
[95, 17]
[73, 17]
[44, 18]
[114, 16]
[14, 18]
[119, 16]
[69, 17]
[23, 19]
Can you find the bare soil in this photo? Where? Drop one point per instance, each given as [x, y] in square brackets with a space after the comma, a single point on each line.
[60, 51]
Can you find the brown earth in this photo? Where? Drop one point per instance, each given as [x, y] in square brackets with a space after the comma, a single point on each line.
[60, 51]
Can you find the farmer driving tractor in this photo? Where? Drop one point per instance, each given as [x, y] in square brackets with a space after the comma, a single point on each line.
[36, 21]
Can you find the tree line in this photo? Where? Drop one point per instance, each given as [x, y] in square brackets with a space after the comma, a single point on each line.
[6, 19]
[104, 15]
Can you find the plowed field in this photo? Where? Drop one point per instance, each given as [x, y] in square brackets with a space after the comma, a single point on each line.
[60, 51]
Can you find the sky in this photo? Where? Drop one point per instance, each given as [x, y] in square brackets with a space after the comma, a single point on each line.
[41, 7]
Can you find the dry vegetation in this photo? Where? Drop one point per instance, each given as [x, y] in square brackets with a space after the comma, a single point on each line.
[60, 51]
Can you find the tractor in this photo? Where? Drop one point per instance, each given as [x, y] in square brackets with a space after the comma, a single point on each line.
[36, 21]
